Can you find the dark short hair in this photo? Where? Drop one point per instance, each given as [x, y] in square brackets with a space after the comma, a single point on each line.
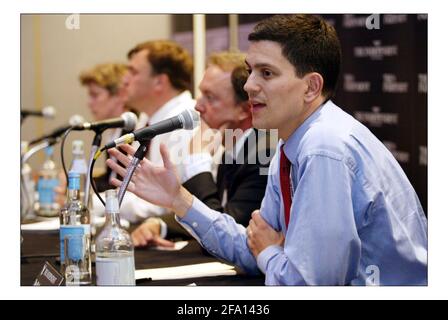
[168, 57]
[308, 42]
[239, 79]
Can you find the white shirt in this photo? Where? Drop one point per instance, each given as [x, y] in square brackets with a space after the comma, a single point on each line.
[133, 208]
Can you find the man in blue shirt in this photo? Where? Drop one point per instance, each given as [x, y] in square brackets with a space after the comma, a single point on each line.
[338, 208]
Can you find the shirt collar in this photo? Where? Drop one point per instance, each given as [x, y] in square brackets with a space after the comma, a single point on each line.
[165, 111]
[291, 150]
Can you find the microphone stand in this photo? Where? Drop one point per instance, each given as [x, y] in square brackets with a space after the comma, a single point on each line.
[138, 156]
[95, 146]
[48, 142]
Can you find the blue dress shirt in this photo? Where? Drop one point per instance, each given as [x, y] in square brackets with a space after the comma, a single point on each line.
[355, 217]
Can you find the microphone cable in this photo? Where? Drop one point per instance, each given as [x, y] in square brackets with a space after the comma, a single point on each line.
[62, 154]
[92, 180]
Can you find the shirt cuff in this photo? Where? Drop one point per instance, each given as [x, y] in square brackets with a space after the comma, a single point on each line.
[199, 219]
[195, 164]
[266, 255]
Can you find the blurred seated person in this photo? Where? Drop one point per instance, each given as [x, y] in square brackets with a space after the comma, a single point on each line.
[239, 186]
[106, 99]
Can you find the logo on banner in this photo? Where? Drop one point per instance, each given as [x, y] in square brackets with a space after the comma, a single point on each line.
[351, 21]
[351, 85]
[376, 118]
[422, 83]
[392, 85]
[376, 52]
[394, 18]
[422, 17]
[401, 156]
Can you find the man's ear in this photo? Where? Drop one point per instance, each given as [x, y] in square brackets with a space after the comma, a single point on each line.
[315, 85]
[245, 110]
[161, 81]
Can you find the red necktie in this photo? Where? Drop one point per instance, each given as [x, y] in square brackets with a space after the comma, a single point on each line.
[285, 183]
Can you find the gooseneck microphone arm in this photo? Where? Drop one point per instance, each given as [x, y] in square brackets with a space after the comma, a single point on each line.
[188, 120]
[126, 120]
[46, 143]
[95, 146]
[138, 156]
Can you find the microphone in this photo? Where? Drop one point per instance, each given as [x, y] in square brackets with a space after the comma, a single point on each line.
[73, 121]
[127, 121]
[188, 119]
[46, 112]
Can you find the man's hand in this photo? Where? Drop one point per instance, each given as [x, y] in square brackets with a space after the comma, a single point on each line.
[158, 185]
[148, 233]
[260, 235]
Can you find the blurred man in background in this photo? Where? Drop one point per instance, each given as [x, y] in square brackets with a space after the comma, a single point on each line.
[106, 99]
[157, 85]
[238, 187]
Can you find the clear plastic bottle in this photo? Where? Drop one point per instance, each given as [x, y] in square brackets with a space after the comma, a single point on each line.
[114, 249]
[75, 220]
[28, 186]
[48, 180]
[79, 165]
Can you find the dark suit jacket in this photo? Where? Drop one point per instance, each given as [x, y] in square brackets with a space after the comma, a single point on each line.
[102, 181]
[245, 185]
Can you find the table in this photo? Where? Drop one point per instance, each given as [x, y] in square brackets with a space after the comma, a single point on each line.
[40, 246]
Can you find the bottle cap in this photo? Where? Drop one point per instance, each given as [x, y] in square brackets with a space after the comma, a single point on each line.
[78, 147]
[112, 201]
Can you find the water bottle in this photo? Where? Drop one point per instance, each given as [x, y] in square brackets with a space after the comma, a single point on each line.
[48, 180]
[114, 249]
[74, 221]
[28, 186]
[79, 165]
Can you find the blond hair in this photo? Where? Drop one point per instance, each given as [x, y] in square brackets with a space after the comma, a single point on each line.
[107, 76]
[227, 61]
[234, 62]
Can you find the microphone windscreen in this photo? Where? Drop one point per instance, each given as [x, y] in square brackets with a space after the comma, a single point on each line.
[48, 112]
[190, 119]
[75, 120]
[130, 121]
